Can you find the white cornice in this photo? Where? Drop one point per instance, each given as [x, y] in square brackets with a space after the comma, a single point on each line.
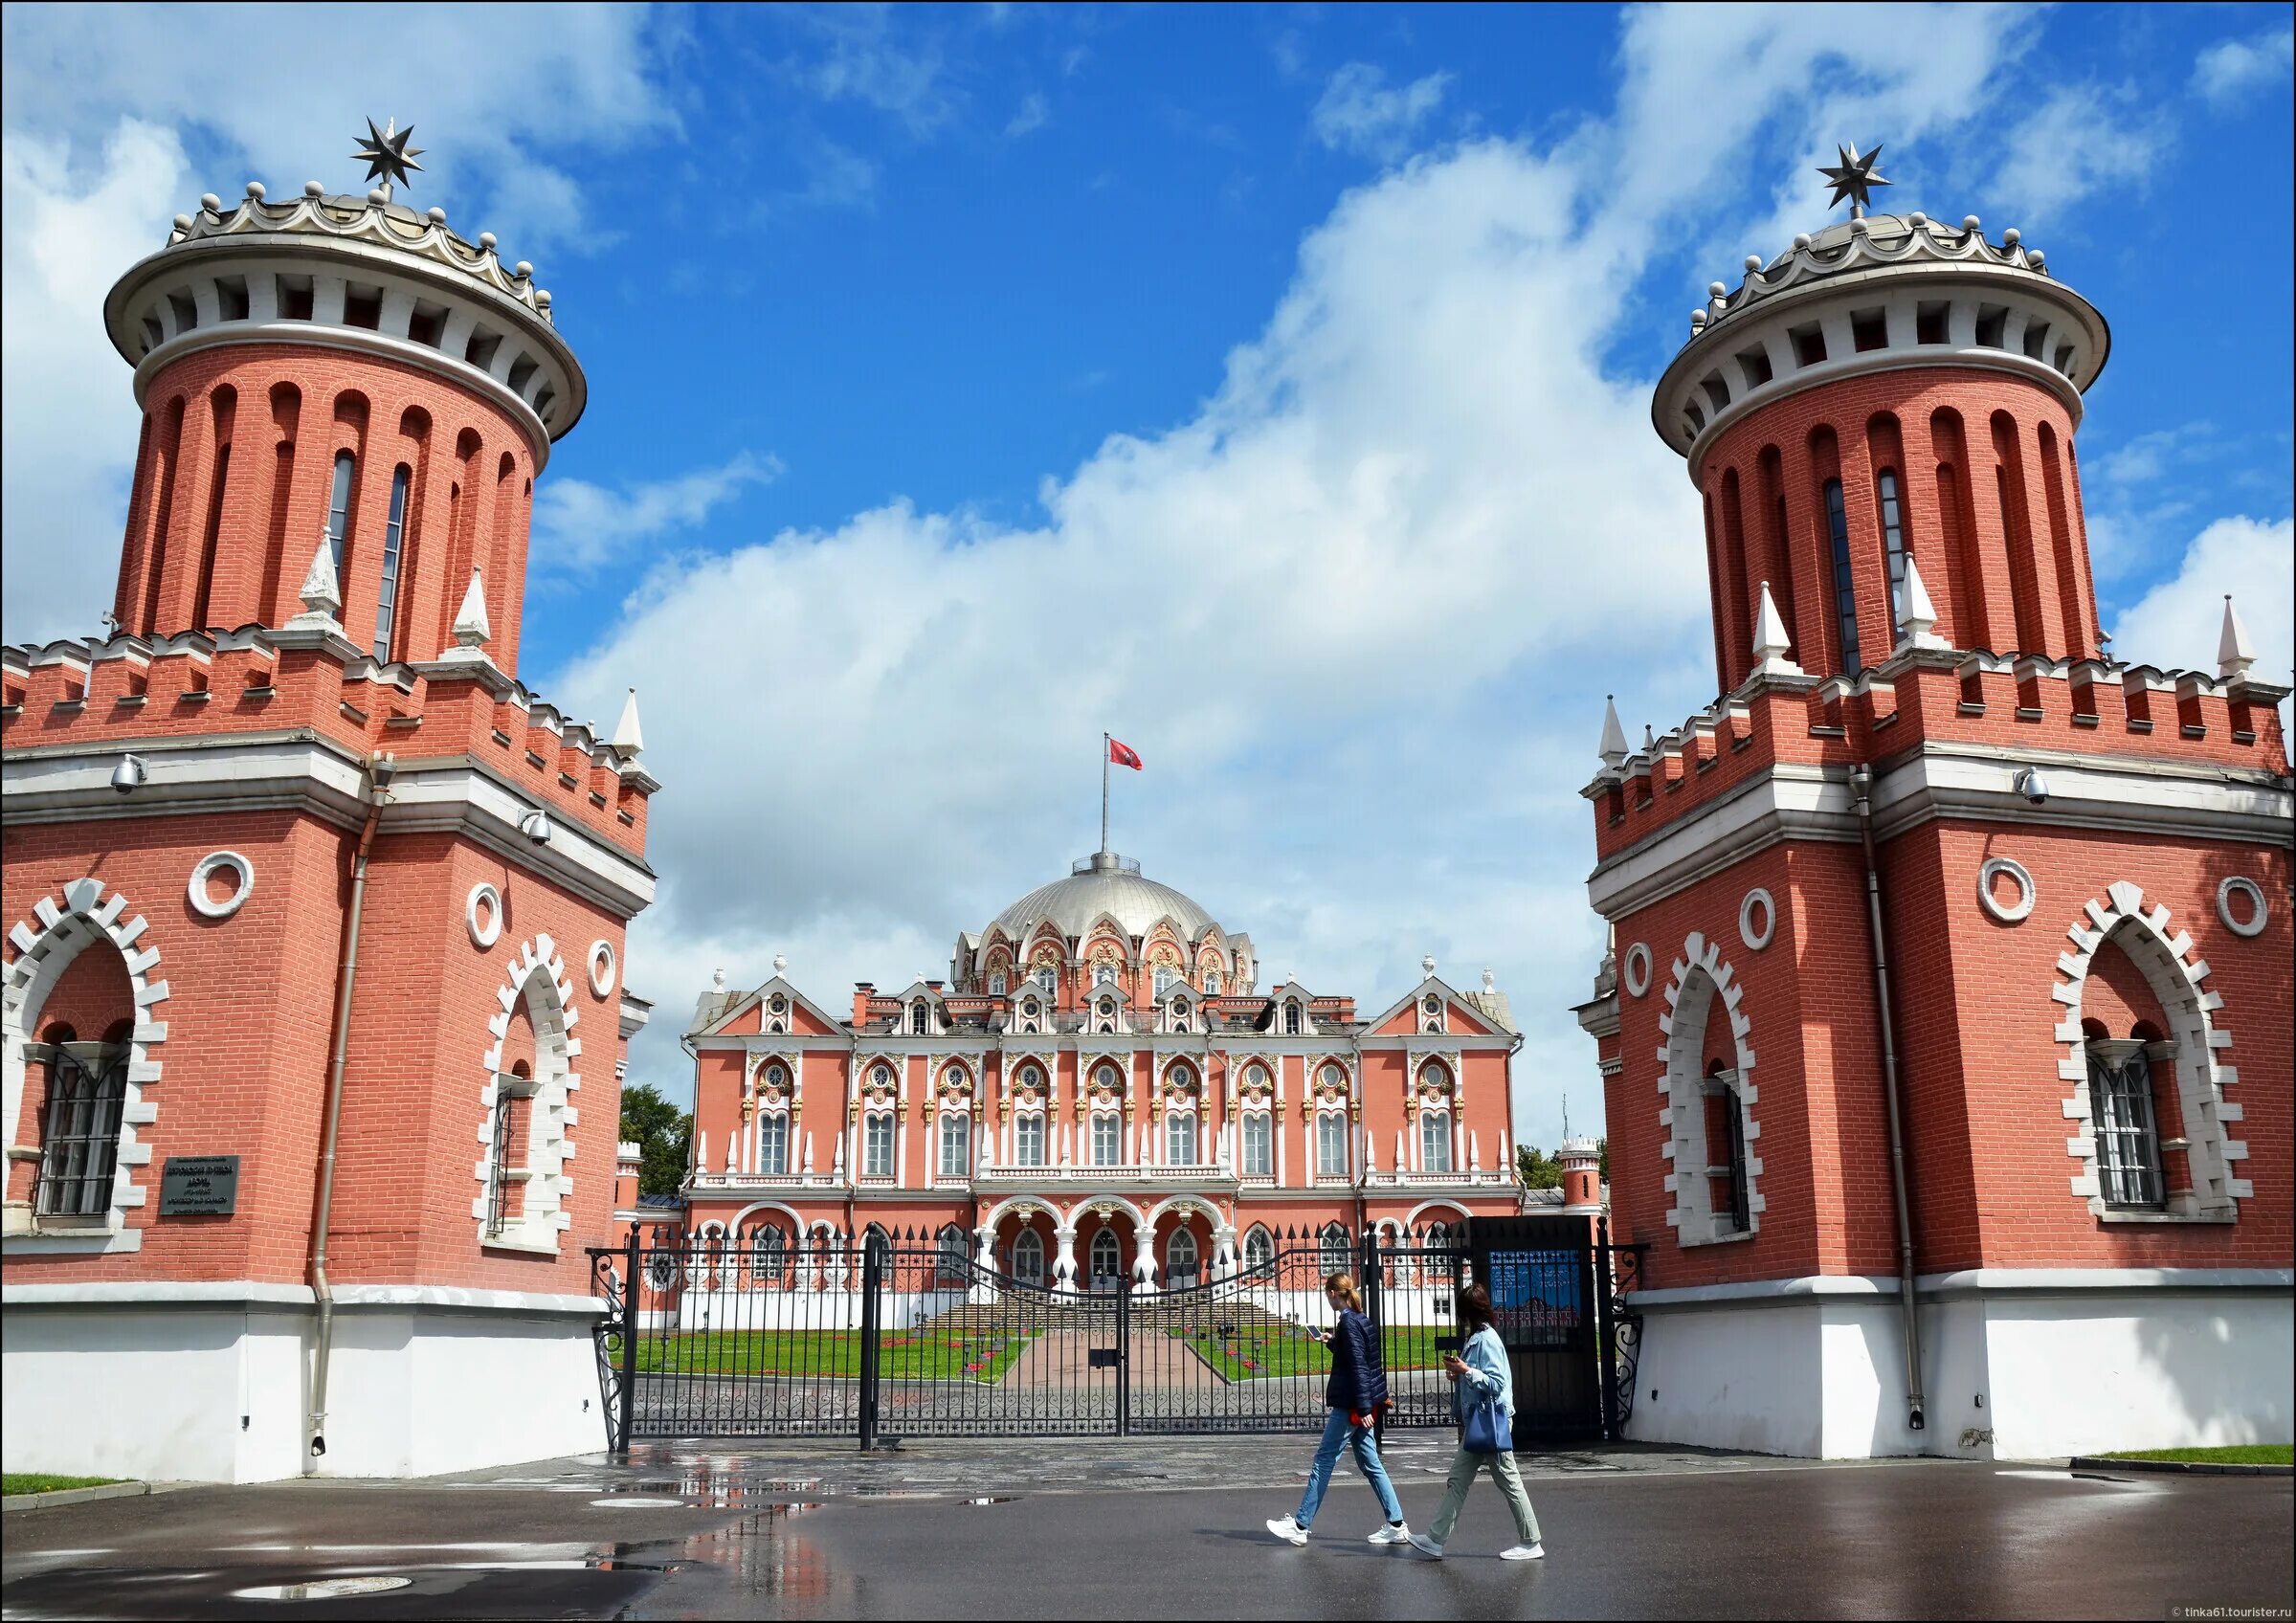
[1965, 1282]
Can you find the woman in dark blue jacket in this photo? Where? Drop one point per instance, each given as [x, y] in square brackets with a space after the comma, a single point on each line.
[1355, 1394]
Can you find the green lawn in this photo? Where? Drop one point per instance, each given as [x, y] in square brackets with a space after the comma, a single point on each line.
[2238, 1454]
[1268, 1350]
[901, 1355]
[16, 1482]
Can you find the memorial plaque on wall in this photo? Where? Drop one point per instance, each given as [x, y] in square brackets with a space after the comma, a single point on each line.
[199, 1186]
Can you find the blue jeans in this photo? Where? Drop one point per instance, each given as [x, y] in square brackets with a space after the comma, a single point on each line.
[1338, 1433]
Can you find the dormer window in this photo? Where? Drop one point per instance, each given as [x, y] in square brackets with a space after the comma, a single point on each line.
[920, 1018]
[1291, 1019]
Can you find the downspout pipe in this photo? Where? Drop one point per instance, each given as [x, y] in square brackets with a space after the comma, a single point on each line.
[378, 775]
[1861, 793]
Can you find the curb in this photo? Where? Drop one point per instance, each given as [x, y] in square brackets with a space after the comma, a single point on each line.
[2180, 1467]
[75, 1496]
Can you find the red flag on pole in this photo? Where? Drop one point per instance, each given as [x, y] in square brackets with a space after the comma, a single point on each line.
[1123, 755]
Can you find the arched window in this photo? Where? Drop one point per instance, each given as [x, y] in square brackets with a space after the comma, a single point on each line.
[876, 1243]
[1211, 983]
[1291, 1019]
[1435, 1141]
[1259, 1251]
[1179, 1139]
[393, 529]
[920, 1018]
[1180, 1260]
[997, 983]
[1163, 980]
[1438, 1238]
[504, 1162]
[1107, 1263]
[771, 1253]
[1846, 597]
[1104, 974]
[2128, 1135]
[1259, 1140]
[772, 1143]
[339, 510]
[1028, 1140]
[1337, 1254]
[1732, 1139]
[1331, 1144]
[80, 1138]
[1028, 1258]
[956, 1144]
[1046, 977]
[1108, 1139]
[877, 1145]
[949, 1255]
[1893, 541]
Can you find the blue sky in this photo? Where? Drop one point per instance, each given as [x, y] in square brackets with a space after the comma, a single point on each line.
[1268, 386]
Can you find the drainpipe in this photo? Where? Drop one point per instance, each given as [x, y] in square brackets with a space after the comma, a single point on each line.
[1862, 789]
[378, 775]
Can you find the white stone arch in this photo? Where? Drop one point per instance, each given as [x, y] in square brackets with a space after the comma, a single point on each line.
[1458, 1212]
[1083, 1204]
[67, 925]
[2121, 917]
[798, 1227]
[538, 976]
[995, 1216]
[1699, 978]
[1190, 1203]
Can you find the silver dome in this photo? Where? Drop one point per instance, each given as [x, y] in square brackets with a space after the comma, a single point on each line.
[1103, 882]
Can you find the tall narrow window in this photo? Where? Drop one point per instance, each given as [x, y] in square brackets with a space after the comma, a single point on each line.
[339, 511]
[1108, 1139]
[920, 1017]
[1435, 1141]
[956, 1146]
[1733, 1111]
[1260, 1251]
[1291, 1019]
[207, 550]
[1028, 1258]
[1331, 1144]
[1108, 1261]
[393, 532]
[773, 1145]
[1893, 542]
[79, 1146]
[1845, 599]
[769, 1249]
[1180, 1257]
[1179, 1140]
[2120, 1091]
[876, 1146]
[1259, 1159]
[1028, 1140]
[950, 1256]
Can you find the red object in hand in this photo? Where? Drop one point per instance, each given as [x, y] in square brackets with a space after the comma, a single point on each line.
[1361, 1422]
[1123, 755]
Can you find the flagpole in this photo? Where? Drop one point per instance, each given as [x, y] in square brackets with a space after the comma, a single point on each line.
[1105, 791]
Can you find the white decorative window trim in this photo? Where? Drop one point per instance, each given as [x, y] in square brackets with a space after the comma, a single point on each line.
[67, 925]
[484, 935]
[210, 865]
[2210, 1154]
[1762, 898]
[2239, 885]
[2008, 913]
[1635, 970]
[1682, 1086]
[538, 975]
[602, 967]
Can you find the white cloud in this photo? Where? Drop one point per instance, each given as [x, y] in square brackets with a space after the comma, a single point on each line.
[579, 526]
[869, 56]
[2081, 140]
[2229, 71]
[1033, 114]
[1358, 114]
[2176, 624]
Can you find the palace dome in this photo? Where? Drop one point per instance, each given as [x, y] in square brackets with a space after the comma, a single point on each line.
[1102, 882]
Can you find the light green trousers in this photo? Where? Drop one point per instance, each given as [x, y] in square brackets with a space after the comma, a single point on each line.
[1464, 1466]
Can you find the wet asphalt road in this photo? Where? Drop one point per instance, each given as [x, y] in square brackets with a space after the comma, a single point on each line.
[1035, 1532]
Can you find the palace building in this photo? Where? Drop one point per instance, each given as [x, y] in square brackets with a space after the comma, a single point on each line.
[1101, 1095]
[313, 1008]
[1947, 1029]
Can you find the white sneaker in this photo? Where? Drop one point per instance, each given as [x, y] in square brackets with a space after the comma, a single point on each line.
[1427, 1547]
[1288, 1530]
[1397, 1534]
[1523, 1552]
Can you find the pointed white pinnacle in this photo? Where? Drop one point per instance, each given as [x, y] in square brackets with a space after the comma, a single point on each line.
[1769, 640]
[471, 628]
[2235, 653]
[1612, 748]
[1921, 614]
[321, 594]
[628, 740]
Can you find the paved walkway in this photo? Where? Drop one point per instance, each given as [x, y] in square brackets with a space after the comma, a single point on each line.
[1087, 1529]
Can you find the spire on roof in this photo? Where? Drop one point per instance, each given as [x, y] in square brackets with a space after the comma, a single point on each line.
[471, 628]
[628, 740]
[1612, 748]
[321, 594]
[2235, 653]
[1921, 614]
[1769, 640]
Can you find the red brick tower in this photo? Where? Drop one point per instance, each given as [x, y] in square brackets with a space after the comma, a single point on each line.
[299, 876]
[1947, 1042]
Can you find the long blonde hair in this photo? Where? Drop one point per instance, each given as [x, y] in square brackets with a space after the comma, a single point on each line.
[1344, 1285]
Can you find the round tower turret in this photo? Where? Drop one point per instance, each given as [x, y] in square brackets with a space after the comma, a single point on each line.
[342, 366]
[1891, 389]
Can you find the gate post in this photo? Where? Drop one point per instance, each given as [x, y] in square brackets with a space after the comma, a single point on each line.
[1606, 1330]
[1374, 1305]
[870, 1282]
[626, 1400]
[1124, 1362]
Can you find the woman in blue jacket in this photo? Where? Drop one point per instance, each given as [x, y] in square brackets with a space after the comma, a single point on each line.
[1480, 1370]
[1355, 1394]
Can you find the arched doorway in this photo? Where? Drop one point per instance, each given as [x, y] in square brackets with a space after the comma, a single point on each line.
[1028, 1258]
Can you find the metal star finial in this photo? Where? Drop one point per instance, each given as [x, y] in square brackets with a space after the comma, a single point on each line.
[1853, 178]
[387, 155]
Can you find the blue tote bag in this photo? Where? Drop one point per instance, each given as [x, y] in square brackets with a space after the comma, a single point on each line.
[1486, 1429]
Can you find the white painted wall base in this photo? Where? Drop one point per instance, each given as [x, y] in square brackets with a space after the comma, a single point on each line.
[2016, 1364]
[216, 1391]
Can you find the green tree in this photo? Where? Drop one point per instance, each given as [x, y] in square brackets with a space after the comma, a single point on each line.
[663, 1134]
[1534, 1170]
[1602, 1149]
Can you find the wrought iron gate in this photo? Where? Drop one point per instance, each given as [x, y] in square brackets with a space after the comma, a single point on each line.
[901, 1335]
